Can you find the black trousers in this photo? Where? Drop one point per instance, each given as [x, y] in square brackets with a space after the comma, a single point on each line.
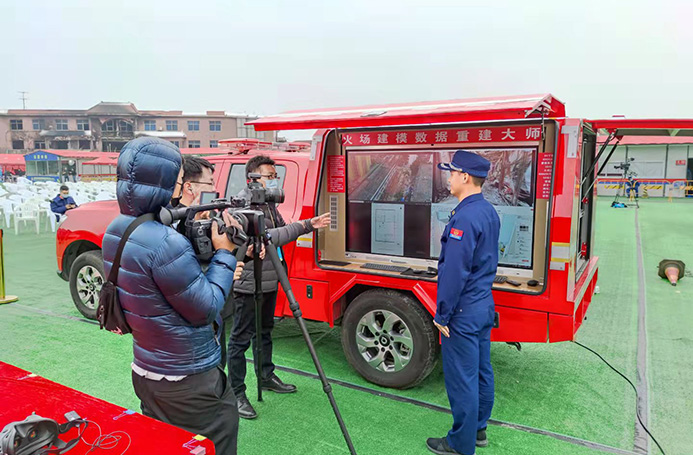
[243, 335]
[202, 403]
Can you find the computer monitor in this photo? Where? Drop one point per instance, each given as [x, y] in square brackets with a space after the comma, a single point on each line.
[399, 202]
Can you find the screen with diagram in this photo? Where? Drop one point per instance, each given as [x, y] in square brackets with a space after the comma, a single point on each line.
[400, 202]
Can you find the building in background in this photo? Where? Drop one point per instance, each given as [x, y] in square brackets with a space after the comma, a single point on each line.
[106, 127]
[663, 164]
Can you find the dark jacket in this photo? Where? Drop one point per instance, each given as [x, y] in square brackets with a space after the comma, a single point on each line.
[168, 302]
[59, 205]
[468, 258]
[281, 234]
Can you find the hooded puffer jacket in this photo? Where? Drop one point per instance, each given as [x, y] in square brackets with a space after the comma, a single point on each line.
[168, 301]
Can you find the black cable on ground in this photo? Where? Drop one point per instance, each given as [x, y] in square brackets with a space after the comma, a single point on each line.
[446, 410]
[637, 411]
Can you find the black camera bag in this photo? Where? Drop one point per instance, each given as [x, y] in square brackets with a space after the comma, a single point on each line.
[109, 313]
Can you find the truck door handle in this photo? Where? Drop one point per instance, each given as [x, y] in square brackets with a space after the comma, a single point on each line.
[309, 291]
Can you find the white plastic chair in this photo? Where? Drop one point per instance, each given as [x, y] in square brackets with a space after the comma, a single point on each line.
[26, 213]
[104, 196]
[80, 199]
[7, 209]
[46, 208]
[16, 199]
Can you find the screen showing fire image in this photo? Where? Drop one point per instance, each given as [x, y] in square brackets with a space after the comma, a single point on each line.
[400, 202]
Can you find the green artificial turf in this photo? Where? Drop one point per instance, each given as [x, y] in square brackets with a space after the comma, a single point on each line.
[557, 387]
[667, 233]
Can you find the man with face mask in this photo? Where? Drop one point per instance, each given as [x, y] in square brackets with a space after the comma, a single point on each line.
[243, 332]
[169, 302]
[62, 202]
[196, 175]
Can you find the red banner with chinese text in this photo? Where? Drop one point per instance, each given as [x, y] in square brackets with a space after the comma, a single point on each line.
[526, 133]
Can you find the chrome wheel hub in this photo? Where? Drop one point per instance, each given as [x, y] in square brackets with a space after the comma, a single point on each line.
[384, 341]
[89, 283]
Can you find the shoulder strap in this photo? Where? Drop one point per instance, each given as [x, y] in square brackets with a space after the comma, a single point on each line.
[113, 276]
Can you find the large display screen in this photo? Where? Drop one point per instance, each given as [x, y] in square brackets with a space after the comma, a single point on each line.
[400, 202]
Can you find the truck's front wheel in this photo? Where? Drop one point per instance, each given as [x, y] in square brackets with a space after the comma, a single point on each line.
[86, 279]
[389, 338]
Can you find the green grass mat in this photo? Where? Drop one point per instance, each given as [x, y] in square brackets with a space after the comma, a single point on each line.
[557, 387]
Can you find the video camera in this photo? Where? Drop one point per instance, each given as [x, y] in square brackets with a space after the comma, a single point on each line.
[253, 229]
[625, 165]
[243, 210]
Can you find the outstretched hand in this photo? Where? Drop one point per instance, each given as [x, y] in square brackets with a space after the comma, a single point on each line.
[321, 221]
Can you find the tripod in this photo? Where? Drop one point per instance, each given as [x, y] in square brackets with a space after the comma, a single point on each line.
[259, 237]
[621, 191]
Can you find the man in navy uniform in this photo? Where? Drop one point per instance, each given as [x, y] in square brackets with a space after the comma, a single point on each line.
[465, 311]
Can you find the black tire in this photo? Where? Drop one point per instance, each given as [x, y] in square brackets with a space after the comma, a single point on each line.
[367, 314]
[86, 279]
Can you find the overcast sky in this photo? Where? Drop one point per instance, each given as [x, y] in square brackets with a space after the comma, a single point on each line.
[604, 57]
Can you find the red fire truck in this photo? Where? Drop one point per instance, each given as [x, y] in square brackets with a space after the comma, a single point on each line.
[373, 271]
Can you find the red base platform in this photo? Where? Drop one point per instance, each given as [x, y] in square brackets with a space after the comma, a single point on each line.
[22, 393]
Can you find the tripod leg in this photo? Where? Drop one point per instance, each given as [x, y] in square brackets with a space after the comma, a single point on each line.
[240, 252]
[257, 272]
[271, 251]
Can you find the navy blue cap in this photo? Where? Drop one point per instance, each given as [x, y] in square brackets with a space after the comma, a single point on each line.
[468, 162]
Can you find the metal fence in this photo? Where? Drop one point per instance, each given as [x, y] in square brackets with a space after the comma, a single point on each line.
[671, 188]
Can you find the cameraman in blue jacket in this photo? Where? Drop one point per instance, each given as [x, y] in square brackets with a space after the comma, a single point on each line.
[169, 303]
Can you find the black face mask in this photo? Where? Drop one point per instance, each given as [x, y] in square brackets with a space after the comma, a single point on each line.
[175, 201]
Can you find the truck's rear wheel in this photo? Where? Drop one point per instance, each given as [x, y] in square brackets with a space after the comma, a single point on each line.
[389, 338]
[86, 279]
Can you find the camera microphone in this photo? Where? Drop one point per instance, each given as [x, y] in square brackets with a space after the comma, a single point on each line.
[167, 216]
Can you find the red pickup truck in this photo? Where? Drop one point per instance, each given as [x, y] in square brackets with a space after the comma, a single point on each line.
[373, 271]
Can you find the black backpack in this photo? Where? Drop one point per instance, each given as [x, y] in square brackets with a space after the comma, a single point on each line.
[109, 313]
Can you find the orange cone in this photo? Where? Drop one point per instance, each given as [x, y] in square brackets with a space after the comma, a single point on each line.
[672, 270]
[672, 274]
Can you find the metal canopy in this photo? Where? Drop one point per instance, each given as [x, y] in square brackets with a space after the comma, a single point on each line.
[644, 127]
[470, 110]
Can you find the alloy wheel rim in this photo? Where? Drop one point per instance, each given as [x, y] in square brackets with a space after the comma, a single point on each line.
[89, 283]
[384, 341]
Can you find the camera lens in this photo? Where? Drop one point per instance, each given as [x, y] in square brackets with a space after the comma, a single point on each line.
[275, 195]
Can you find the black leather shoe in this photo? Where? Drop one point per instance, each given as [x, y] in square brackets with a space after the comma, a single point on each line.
[245, 409]
[276, 385]
[481, 439]
[440, 446]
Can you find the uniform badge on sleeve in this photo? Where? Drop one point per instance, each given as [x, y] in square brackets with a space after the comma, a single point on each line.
[456, 234]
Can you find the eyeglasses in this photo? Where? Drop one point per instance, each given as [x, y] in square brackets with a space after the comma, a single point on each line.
[202, 183]
[271, 176]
